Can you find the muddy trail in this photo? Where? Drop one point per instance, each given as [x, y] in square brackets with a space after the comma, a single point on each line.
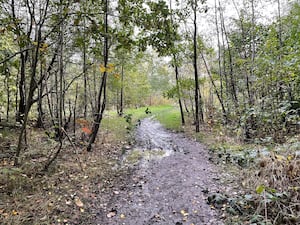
[171, 179]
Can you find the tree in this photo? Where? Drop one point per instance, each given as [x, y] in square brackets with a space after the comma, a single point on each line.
[101, 101]
[197, 95]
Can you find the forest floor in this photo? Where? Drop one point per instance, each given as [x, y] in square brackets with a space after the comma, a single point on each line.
[170, 184]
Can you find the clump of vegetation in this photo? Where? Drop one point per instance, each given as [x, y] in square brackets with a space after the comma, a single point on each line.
[270, 183]
[275, 187]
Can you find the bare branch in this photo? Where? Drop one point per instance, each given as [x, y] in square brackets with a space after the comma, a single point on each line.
[15, 54]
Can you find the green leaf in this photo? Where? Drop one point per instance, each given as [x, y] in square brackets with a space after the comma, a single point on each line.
[260, 189]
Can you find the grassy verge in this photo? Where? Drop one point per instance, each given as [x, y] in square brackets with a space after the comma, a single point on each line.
[167, 115]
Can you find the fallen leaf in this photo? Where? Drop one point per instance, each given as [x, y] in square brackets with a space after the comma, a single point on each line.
[260, 189]
[112, 213]
[81, 210]
[86, 130]
[279, 157]
[44, 218]
[122, 216]
[78, 202]
[184, 213]
[68, 202]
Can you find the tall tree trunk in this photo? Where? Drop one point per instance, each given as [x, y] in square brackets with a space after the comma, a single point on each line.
[32, 88]
[219, 51]
[232, 84]
[243, 53]
[122, 91]
[22, 89]
[23, 59]
[196, 93]
[215, 89]
[179, 94]
[7, 75]
[40, 122]
[84, 71]
[177, 78]
[61, 77]
[253, 52]
[101, 103]
[280, 84]
[74, 110]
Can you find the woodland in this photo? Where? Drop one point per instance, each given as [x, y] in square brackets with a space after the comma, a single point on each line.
[77, 77]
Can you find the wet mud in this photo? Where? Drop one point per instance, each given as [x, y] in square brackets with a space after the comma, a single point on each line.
[171, 179]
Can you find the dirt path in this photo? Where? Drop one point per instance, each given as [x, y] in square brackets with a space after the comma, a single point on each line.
[168, 185]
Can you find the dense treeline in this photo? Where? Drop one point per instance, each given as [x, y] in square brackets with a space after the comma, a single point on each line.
[251, 81]
[259, 75]
[65, 60]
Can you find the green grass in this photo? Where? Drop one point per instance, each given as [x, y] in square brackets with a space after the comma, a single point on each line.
[167, 115]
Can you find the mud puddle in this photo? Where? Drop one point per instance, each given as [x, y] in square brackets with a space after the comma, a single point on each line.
[169, 184]
[153, 142]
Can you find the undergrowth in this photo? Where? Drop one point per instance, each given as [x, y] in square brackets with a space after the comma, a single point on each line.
[266, 174]
[73, 186]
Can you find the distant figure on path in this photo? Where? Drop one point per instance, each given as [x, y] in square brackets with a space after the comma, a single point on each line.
[147, 111]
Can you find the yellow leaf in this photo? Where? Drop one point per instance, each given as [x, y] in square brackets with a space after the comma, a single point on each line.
[184, 213]
[290, 158]
[14, 213]
[102, 68]
[110, 67]
[44, 47]
[78, 202]
[279, 158]
[122, 216]
[35, 43]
